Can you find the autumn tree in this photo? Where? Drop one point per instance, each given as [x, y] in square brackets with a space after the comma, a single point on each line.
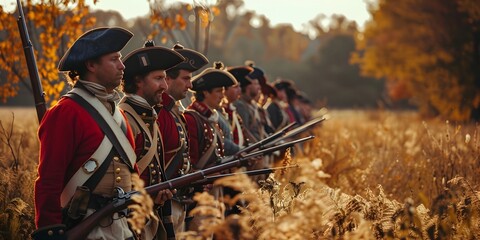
[182, 22]
[427, 51]
[53, 27]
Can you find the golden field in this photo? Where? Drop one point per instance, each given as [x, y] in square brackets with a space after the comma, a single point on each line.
[366, 175]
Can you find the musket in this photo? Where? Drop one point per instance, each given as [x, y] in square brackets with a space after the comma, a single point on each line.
[123, 200]
[266, 140]
[281, 135]
[304, 127]
[38, 94]
[211, 179]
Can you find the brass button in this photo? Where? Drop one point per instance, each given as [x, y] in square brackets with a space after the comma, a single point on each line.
[118, 179]
[152, 165]
[50, 233]
[154, 172]
[117, 171]
[61, 232]
[153, 180]
[147, 124]
[116, 159]
[144, 114]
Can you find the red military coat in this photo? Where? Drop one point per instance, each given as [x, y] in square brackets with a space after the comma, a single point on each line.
[174, 133]
[201, 134]
[68, 137]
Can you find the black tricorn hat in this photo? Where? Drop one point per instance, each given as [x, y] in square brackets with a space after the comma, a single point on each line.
[268, 90]
[193, 60]
[281, 84]
[150, 58]
[257, 73]
[211, 78]
[240, 73]
[93, 44]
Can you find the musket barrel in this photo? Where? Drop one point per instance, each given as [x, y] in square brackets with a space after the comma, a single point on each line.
[268, 139]
[211, 179]
[38, 94]
[296, 131]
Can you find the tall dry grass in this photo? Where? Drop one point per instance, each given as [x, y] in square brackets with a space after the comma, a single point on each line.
[409, 157]
[366, 175]
[18, 163]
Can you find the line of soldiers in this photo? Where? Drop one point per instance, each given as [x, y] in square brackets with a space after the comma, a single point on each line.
[93, 141]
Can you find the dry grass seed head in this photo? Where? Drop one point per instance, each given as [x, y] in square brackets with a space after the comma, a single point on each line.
[210, 211]
[142, 210]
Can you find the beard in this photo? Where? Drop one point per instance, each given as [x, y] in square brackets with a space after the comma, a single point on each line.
[254, 95]
[155, 98]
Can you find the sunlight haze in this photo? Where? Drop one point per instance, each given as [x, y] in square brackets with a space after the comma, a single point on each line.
[297, 13]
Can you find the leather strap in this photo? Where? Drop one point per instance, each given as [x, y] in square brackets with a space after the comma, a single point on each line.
[81, 176]
[236, 126]
[203, 161]
[152, 151]
[108, 124]
[177, 161]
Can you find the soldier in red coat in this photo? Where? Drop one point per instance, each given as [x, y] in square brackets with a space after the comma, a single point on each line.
[144, 83]
[79, 161]
[249, 111]
[206, 146]
[204, 133]
[172, 127]
[232, 94]
[246, 105]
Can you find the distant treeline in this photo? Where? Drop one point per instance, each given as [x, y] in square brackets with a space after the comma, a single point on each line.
[320, 67]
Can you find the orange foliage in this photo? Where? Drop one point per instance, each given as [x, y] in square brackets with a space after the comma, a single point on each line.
[53, 26]
[426, 48]
[397, 90]
[164, 20]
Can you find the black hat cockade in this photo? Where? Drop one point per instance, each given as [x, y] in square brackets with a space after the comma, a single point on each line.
[93, 44]
[193, 60]
[150, 58]
[240, 73]
[257, 73]
[213, 77]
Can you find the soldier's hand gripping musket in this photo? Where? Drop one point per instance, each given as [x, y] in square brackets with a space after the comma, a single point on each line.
[38, 94]
[123, 200]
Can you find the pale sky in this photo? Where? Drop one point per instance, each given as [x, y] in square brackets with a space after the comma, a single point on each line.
[297, 13]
